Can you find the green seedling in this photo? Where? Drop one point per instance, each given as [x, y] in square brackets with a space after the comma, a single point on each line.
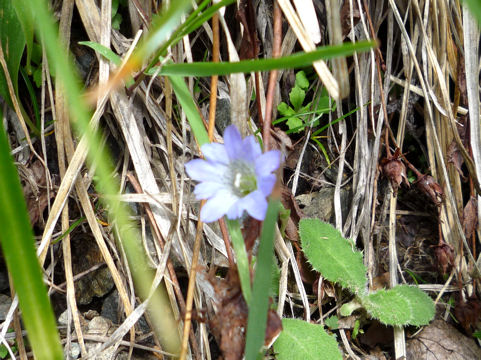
[338, 261]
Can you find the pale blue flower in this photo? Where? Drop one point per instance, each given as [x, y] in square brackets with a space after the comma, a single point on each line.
[235, 176]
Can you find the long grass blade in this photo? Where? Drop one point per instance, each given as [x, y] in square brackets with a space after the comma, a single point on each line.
[247, 66]
[16, 239]
[256, 322]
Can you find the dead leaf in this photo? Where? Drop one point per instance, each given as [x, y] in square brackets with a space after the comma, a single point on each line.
[395, 170]
[251, 231]
[455, 157]
[345, 16]
[442, 341]
[35, 191]
[377, 334]
[381, 281]
[431, 188]
[445, 257]
[468, 313]
[230, 321]
[249, 48]
[229, 324]
[290, 203]
[273, 328]
[470, 217]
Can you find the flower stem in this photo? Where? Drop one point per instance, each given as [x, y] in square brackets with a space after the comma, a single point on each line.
[241, 257]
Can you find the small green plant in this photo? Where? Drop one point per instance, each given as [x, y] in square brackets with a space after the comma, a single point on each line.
[332, 322]
[116, 15]
[296, 115]
[4, 353]
[336, 258]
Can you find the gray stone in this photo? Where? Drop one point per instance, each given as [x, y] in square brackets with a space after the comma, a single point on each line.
[5, 302]
[320, 204]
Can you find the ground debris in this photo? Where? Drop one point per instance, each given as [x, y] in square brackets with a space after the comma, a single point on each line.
[441, 341]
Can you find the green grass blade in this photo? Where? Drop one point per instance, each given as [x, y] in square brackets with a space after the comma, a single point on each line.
[197, 21]
[161, 28]
[13, 43]
[103, 50]
[105, 184]
[475, 8]
[256, 322]
[297, 60]
[188, 105]
[17, 243]
[191, 24]
[241, 257]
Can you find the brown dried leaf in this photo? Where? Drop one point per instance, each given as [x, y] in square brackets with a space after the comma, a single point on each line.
[431, 188]
[36, 206]
[376, 334]
[251, 231]
[445, 257]
[230, 321]
[35, 191]
[381, 281]
[273, 329]
[249, 48]
[290, 203]
[395, 170]
[308, 275]
[442, 341]
[468, 313]
[229, 324]
[280, 140]
[454, 157]
[470, 218]
[345, 16]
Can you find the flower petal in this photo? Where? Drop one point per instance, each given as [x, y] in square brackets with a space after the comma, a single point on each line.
[268, 162]
[255, 204]
[251, 149]
[235, 211]
[266, 184]
[207, 189]
[202, 170]
[217, 206]
[233, 142]
[215, 152]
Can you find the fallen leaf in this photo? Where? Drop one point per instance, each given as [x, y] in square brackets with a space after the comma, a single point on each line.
[395, 170]
[445, 257]
[470, 217]
[249, 48]
[431, 188]
[468, 313]
[454, 157]
[230, 321]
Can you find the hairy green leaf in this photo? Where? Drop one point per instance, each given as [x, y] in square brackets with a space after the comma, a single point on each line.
[348, 308]
[300, 340]
[332, 255]
[401, 305]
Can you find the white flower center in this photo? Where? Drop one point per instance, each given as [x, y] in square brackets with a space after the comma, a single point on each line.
[241, 178]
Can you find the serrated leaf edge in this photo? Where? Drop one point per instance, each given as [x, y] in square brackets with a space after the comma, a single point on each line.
[367, 299]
